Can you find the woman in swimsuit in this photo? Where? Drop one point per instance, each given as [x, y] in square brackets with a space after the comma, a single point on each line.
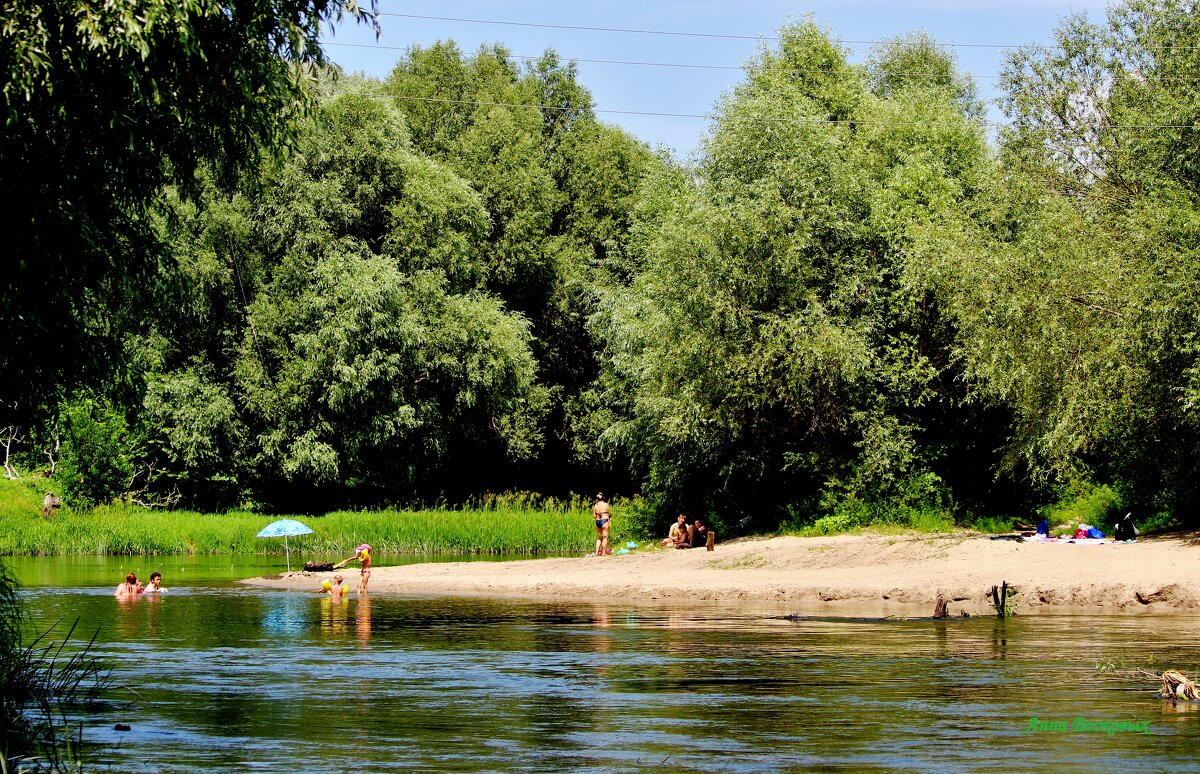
[678, 535]
[129, 589]
[603, 516]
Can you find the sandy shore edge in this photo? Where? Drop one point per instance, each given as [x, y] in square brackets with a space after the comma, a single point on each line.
[841, 575]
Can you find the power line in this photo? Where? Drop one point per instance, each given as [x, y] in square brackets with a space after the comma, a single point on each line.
[718, 35]
[765, 119]
[666, 64]
[577, 27]
[685, 65]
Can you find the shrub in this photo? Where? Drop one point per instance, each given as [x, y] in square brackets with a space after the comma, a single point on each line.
[97, 453]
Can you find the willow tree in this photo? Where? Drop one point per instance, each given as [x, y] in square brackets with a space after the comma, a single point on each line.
[559, 188]
[104, 102]
[334, 334]
[1079, 299]
[779, 351]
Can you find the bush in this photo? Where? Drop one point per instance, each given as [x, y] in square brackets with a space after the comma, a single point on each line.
[97, 453]
[1085, 503]
[919, 501]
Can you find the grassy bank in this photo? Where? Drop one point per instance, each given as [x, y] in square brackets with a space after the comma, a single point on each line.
[503, 528]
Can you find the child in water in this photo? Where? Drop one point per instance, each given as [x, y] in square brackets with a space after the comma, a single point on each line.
[335, 589]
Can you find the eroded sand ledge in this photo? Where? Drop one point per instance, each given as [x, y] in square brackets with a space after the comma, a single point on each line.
[846, 574]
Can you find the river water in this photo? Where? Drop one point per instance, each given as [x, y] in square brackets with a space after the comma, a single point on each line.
[214, 676]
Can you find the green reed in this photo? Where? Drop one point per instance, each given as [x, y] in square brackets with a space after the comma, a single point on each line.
[497, 527]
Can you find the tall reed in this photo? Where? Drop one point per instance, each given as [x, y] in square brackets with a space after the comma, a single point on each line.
[497, 527]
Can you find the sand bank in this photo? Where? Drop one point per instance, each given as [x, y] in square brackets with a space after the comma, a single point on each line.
[845, 574]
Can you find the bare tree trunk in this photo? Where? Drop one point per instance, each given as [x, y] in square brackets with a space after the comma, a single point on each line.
[8, 436]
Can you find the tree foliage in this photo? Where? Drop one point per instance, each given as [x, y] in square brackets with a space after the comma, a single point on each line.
[1077, 297]
[457, 279]
[778, 343]
[103, 104]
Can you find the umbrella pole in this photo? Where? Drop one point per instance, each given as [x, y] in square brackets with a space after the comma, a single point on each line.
[287, 553]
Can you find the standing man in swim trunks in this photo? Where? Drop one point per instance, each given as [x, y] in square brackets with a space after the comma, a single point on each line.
[603, 516]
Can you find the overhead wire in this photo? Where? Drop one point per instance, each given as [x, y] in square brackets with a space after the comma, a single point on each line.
[711, 116]
[684, 65]
[720, 35]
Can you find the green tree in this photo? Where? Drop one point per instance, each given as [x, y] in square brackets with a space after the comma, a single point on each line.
[559, 188]
[98, 453]
[779, 344]
[351, 344]
[105, 102]
[1077, 297]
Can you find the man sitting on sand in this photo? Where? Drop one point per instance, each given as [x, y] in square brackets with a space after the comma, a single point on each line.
[698, 535]
[678, 536]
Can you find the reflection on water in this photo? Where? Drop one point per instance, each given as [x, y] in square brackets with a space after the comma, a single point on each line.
[362, 619]
[232, 679]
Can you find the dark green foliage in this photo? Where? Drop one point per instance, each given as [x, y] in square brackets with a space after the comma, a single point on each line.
[103, 104]
[97, 454]
[850, 310]
[1076, 296]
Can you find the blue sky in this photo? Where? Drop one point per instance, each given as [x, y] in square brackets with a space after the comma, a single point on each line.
[693, 90]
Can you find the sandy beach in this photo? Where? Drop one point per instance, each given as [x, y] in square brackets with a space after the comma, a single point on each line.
[872, 575]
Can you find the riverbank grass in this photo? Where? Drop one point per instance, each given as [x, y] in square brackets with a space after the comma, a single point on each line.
[125, 530]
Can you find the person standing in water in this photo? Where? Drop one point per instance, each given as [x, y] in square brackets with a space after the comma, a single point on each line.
[363, 556]
[602, 514]
[335, 590]
[129, 589]
[155, 584]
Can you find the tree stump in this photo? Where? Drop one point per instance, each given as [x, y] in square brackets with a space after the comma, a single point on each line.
[939, 608]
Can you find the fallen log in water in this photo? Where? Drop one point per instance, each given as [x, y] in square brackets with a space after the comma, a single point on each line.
[1177, 686]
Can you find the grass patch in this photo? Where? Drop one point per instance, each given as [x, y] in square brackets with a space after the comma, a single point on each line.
[502, 528]
[993, 525]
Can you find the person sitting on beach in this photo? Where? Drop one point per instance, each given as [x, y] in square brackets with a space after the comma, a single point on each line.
[129, 589]
[698, 535]
[678, 535]
[155, 584]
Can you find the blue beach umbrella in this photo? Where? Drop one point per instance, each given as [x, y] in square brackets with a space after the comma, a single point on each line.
[285, 528]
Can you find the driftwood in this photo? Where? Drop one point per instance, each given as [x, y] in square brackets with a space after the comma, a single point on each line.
[1002, 600]
[1177, 686]
[939, 609]
[318, 566]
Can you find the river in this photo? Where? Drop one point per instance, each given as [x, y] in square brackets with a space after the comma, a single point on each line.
[215, 676]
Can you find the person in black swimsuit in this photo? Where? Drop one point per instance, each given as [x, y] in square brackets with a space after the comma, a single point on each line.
[603, 516]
